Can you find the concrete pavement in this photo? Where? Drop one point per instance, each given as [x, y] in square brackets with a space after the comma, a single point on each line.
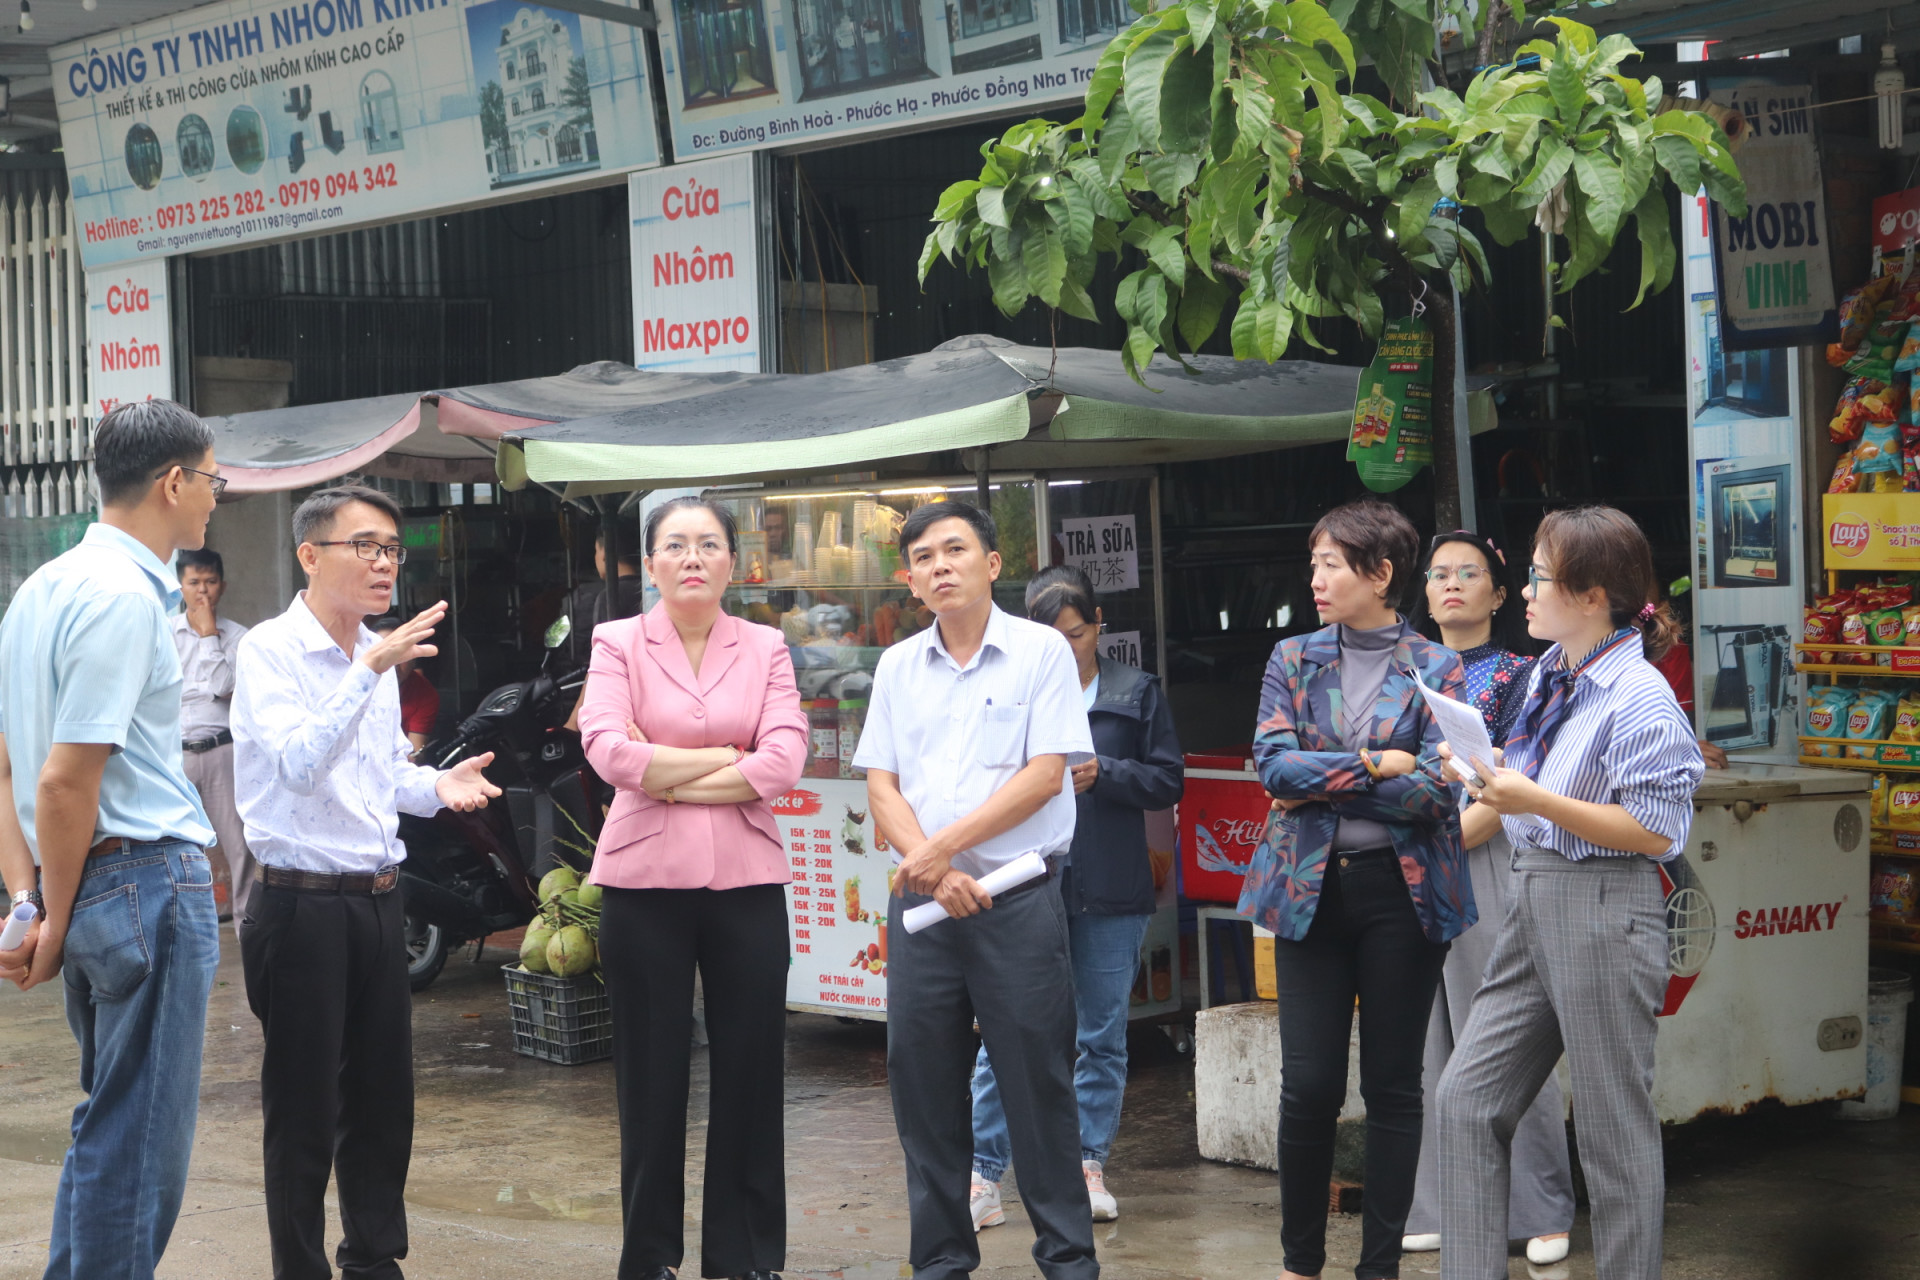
[515, 1169]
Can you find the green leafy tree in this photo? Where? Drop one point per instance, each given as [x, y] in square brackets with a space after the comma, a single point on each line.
[577, 96]
[493, 117]
[1224, 158]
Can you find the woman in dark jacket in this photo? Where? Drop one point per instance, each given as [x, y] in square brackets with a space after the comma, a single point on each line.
[1108, 887]
[1361, 877]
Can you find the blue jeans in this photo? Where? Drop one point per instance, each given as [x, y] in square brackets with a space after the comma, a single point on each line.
[1105, 952]
[140, 956]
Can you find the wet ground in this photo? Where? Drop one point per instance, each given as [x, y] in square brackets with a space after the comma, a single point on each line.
[515, 1169]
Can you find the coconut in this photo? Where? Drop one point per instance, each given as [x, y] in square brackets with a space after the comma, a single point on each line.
[590, 895]
[570, 952]
[557, 882]
[533, 949]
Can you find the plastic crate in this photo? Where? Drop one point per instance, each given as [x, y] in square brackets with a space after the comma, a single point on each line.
[564, 1020]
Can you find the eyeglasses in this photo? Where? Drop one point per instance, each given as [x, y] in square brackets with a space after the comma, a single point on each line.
[367, 549]
[709, 550]
[1535, 577]
[219, 483]
[1467, 574]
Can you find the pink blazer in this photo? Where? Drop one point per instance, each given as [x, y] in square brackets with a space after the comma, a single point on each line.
[744, 696]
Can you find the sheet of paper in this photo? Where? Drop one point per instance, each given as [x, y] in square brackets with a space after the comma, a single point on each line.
[1461, 726]
[999, 880]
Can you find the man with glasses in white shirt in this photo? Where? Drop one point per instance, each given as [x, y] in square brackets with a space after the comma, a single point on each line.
[322, 772]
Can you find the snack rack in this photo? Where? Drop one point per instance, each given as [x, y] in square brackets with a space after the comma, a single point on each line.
[1868, 537]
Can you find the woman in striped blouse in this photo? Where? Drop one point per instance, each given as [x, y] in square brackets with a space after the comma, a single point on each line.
[1596, 788]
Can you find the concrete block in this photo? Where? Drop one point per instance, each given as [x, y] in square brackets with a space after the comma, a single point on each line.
[1236, 1088]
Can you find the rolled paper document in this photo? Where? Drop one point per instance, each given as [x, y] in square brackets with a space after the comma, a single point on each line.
[17, 925]
[1027, 866]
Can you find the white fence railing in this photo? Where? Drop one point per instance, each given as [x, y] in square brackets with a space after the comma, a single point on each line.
[44, 440]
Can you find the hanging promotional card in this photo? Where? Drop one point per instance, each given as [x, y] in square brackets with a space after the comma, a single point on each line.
[129, 337]
[696, 278]
[1393, 411]
[257, 120]
[1771, 267]
[1105, 548]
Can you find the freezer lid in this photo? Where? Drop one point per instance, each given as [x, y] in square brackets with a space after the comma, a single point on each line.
[1765, 783]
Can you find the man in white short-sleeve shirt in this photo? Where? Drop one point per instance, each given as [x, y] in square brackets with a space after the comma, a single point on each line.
[969, 733]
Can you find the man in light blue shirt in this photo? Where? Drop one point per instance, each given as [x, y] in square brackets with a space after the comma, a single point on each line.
[107, 836]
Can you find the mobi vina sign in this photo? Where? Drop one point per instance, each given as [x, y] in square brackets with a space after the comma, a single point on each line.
[696, 298]
[1775, 283]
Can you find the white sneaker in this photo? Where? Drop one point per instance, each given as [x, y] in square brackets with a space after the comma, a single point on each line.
[1428, 1243]
[985, 1203]
[1105, 1207]
[1547, 1251]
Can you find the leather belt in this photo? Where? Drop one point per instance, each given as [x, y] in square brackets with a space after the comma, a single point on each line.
[198, 745]
[374, 882]
[1053, 873]
[112, 844]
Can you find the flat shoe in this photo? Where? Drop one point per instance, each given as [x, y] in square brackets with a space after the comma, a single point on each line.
[657, 1273]
[758, 1275]
[1546, 1251]
[1428, 1243]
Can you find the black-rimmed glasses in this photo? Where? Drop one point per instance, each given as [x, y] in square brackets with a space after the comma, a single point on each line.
[368, 549]
[219, 483]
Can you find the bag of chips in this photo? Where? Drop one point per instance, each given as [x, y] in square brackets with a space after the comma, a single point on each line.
[1857, 310]
[1868, 720]
[1886, 627]
[1879, 449]
[1821, 626]
[1844, 479]
[1893, 888]
[1877, 801]
[1861, 401]
[1827, 709]
[1906, 720]
[1887, 595]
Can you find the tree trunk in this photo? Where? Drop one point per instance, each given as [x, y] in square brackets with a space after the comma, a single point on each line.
[1446, 458]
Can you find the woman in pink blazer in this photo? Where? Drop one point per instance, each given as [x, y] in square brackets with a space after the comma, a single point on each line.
[694, 717]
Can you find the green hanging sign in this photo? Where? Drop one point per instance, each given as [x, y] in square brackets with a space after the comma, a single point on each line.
[1393, 410]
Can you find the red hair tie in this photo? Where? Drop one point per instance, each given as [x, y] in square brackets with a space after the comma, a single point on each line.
[1646, 614]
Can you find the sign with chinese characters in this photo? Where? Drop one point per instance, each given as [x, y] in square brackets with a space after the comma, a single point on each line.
[772, 73]
[696, 297]
[1121, 646]
[1392, 435]
[1775, 279]
[1107, 548]
[257, 120]
[129, 336]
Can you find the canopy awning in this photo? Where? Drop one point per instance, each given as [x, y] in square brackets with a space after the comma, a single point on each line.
[1032, 406]
[609, 427]
[278, 449]
[1739, 28]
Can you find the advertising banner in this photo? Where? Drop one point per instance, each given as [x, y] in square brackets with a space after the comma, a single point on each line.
[129, 337]
[1747, 576]
[759, 73]
[696, 297]
[1393, 409]
[261, 119]
[1775, 280]
[1870, 531]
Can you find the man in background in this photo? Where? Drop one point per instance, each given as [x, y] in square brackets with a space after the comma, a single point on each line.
[207, 645]
[587, 606]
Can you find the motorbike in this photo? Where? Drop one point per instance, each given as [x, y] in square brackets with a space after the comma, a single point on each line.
[468, 875]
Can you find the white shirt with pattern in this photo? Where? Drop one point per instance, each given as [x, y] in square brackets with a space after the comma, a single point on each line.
[321, 772]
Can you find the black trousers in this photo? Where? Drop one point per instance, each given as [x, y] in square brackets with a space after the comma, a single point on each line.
[1007, 968]
[327, 977]
[650, 941]
[1365, 942]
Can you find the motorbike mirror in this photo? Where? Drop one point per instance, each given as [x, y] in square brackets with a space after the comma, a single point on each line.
[557, 633]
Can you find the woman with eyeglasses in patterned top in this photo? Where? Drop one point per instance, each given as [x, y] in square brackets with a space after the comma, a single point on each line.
[1473, 607]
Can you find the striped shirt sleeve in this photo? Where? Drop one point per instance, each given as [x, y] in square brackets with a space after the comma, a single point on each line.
[1653, 760]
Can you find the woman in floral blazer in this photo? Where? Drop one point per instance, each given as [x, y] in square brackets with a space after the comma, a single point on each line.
[1361, 878]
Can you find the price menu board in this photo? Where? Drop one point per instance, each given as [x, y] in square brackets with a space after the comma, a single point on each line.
[836, 900]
